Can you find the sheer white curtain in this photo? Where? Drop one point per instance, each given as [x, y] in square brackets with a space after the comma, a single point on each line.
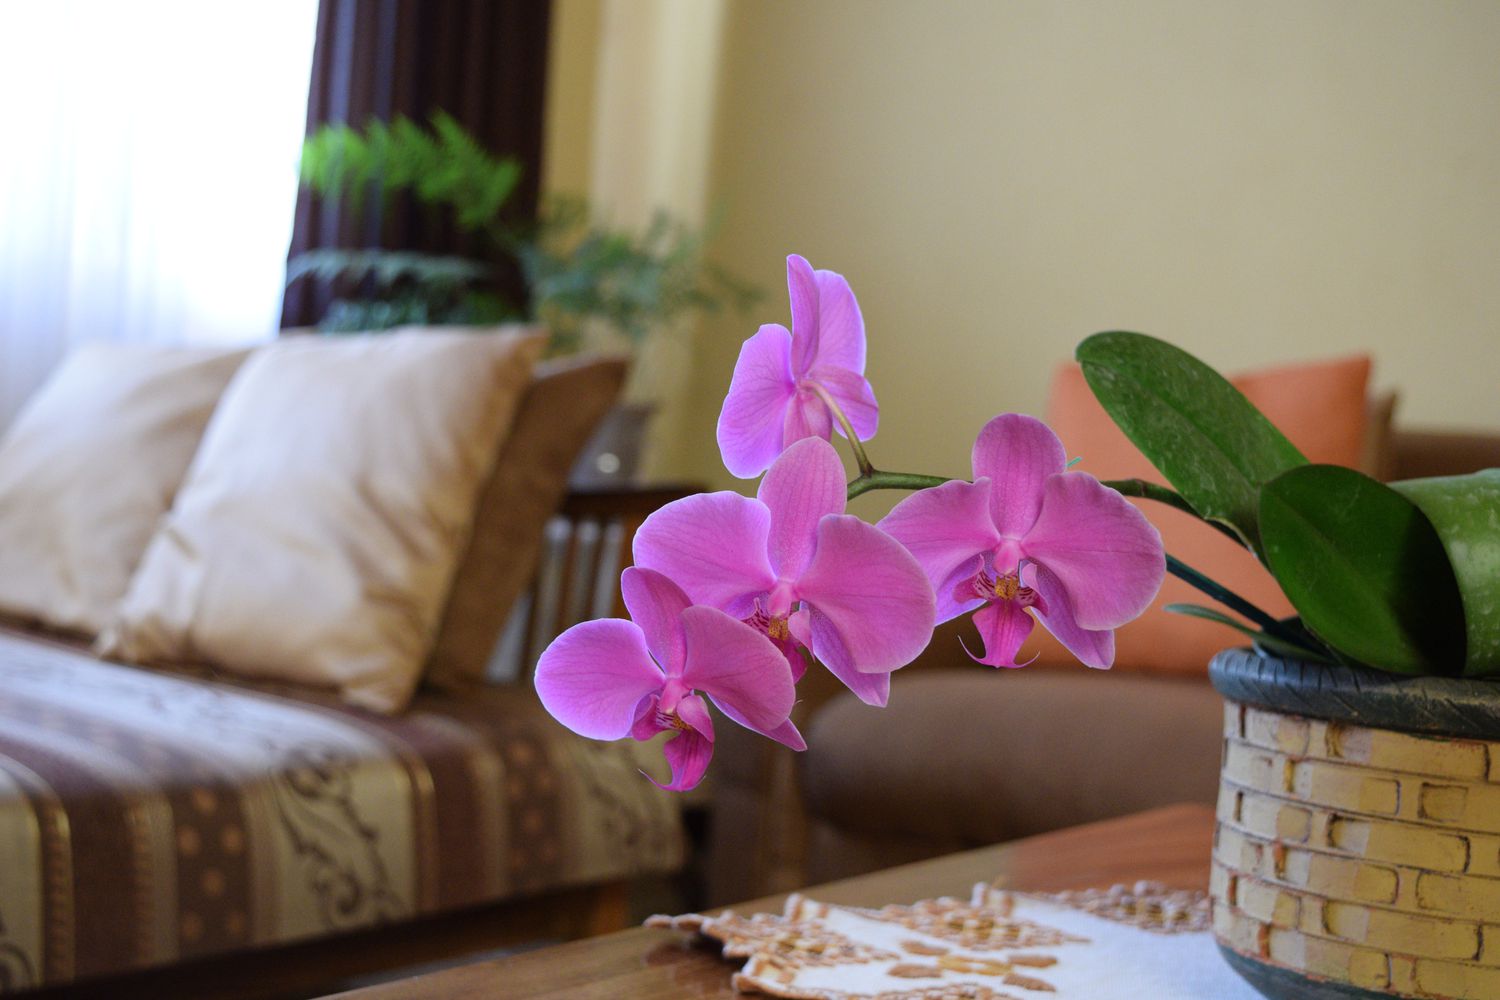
[148, 173]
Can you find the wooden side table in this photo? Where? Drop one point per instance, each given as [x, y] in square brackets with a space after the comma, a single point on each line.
[1169, 845]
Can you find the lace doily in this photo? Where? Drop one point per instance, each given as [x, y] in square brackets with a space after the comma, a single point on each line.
[1124, 941]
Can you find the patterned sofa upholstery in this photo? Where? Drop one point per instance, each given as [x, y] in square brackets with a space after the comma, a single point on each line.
[149, 818]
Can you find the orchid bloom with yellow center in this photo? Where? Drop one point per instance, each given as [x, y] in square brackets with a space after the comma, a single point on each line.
[729, 594]
[1027, 537]
[611, 678]
[787, 382]
[793, 565]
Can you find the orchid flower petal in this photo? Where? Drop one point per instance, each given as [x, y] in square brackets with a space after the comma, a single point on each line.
[786, 733]
[854, 397]
[689, 752]
[956, 595]
[1017, 453]
[771, 403]
[753, 418]
[592, 677]
[828, 646]
[792, 651]
[806, 416]
[1004, 626]
[693, 710]
[713, 546]
[871, 591]
[805, 483]
[944, 527]
[738, 667]
[841, 328]
[795, 661]
[799, 637]
[646, 723]
[1094, 648]
[1101, 549]
[656, 604]
[802, 286]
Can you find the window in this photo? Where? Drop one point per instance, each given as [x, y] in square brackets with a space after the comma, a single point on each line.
[148, 178]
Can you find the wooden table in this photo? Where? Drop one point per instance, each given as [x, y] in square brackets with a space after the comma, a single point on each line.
[1166, 845]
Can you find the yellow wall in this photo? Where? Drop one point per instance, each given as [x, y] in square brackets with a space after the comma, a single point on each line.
[1254, 181]
[572, 76]
[632, 98]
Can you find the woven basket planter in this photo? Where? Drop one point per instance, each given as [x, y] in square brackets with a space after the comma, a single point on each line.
[1357, 851]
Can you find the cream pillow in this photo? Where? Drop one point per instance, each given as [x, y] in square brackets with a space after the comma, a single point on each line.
[88, 468]
[318, 529]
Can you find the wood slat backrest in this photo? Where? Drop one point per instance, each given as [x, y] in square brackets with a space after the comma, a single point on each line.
[587, 545]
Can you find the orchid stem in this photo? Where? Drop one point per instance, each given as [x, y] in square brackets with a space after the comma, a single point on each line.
[874, 479]
[1153, 491]
[855, 445]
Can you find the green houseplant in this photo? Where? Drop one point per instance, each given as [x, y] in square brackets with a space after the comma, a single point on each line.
[582, 280]
[1357, 818]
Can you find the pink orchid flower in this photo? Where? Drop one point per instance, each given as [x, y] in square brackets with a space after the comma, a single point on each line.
[609, 678]
[784, 380]
[795, 566]
[1025, 534]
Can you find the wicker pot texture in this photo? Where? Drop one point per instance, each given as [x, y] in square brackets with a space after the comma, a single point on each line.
[1357, 851]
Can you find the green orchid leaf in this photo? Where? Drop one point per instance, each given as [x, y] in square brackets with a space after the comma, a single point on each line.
[1271, 642]
[1465, 510]
[1365, 569]
[1201, 432]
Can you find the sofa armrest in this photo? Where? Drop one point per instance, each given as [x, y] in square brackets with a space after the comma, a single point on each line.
[967, 757]
[1422, 452]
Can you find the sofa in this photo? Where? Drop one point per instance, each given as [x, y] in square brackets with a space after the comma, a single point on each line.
[181, 828]
[965, 756]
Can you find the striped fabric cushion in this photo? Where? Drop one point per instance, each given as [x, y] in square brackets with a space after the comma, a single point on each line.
[199, 817]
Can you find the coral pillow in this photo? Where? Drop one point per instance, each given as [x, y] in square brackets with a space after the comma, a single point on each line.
[318, 529]
[1319, 406]
[89, 467]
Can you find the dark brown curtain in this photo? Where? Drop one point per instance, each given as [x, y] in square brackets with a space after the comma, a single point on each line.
[482, 61]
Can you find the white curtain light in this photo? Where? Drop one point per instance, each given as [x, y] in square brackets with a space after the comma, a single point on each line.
[149, 175]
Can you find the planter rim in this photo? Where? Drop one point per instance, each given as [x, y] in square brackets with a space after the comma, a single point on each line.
[1440, 706]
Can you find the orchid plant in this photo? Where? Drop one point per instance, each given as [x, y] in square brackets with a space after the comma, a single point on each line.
[735, 597]
[1401, 577]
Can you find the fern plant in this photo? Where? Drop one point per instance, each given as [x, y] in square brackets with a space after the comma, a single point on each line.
[445, 166]
[632, 283]
[578, 275]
